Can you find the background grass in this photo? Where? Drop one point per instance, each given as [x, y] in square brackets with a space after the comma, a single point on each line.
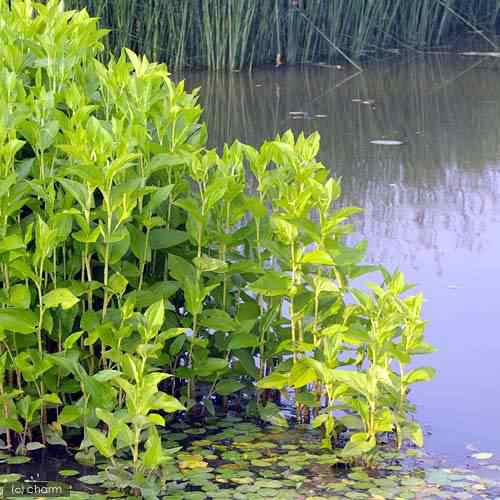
[236, 33]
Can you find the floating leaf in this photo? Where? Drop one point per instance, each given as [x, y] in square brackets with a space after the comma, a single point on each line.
[17, 460]
[68, 472]
[91, 479]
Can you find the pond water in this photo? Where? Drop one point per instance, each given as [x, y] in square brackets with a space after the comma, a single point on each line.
[432, 204]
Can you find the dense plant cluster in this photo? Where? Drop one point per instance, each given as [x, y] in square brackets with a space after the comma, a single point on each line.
[232, 34]
[143, 275]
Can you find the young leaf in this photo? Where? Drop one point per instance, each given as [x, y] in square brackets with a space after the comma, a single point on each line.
[422, 374]
[155, 315]
[153, 455]
[274, 381]
[101, 442]
[60, 297]
[20, 296]
[18, 320]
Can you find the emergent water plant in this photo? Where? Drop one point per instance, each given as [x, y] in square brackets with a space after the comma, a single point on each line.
[143, 275]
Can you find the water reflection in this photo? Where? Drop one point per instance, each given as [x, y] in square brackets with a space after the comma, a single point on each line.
[431, 205]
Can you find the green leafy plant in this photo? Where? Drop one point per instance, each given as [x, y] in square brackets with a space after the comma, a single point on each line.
[144, 275]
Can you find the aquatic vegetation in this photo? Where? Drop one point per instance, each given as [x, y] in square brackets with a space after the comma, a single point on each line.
[223, 34]
[144, 275]
[240, 460]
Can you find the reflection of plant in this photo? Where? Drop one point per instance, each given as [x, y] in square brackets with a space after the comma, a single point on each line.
[129, 250]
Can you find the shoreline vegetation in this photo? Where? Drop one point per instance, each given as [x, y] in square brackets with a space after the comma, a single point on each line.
[237, 34]
[145, 277]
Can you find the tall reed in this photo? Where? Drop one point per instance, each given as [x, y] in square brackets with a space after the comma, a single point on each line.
[236, 33]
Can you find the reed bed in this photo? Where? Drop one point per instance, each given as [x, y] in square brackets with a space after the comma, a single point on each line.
[242, 33]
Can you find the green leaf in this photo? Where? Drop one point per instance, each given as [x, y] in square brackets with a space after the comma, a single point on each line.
[271, 413]
[422, 348]
[301, 375]
[20, 296]
[274, 381]
[18, 320]
[94, 479]
[414, 433]
[10, 243]
[356, 335]
[422, 374]
[167, 238]
[358, 445]
[272, 284]
[3, 364]
[60, 297]
[228, 386]
[9, 478]
[118, 283]
[106, 375]
[155, 315]
[318, 257]
[77, 190]
[242, 340]
[286, 231]
[85, 236]
[11, 423]
[159, 196]
[153, 455]
[355, 380]
[52, 398]
[209, 366]
[247, 362]
[209, 406]
[69, 472]
[218, 320]
[208, 264]
[181, 270]
[171, 333]
[384, 421]
[101, 442]
[215, 191]
[319, 420]
[69, 414]
[192, 207]
[176, 345]
[69, 342]
[34, 445]
[168, 403]
[362, 297]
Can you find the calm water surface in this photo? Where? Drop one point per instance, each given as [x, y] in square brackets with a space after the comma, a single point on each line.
[432, 205]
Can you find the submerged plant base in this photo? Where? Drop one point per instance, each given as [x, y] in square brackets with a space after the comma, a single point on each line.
[237, 459]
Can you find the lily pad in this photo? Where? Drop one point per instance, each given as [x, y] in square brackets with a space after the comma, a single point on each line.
[9, 478]
[68, 472]
[17, 460]
[94, 479]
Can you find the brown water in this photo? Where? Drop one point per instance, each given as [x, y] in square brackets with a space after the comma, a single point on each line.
[432, 205]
